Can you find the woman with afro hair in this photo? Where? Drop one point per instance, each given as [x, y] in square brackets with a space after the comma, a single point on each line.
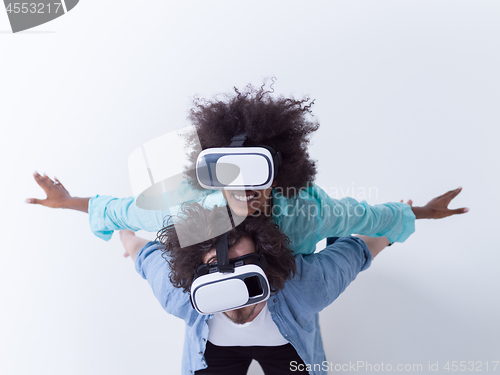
[302, 210]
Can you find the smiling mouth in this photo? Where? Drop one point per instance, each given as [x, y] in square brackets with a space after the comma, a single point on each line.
[244, 198]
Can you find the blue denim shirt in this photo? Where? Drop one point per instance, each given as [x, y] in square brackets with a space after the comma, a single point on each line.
[306, 219]
[321, 277]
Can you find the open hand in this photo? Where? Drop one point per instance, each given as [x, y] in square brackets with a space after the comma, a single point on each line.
[437, 208]
[56, 193]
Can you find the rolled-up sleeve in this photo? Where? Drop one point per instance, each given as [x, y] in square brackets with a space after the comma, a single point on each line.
[395, 221]
[107, 214]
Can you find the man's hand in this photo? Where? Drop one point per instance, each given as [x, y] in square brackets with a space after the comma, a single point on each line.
[437, 208]
[57, 195]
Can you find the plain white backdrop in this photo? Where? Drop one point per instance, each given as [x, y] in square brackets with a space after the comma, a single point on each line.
[407, 94]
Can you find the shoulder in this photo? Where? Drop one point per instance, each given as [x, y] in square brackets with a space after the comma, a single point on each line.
[149, 258]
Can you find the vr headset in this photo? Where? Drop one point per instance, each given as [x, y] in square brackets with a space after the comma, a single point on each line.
[237, 167]
[229, 284]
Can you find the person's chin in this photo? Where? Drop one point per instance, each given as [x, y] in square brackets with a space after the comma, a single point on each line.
[240, 316]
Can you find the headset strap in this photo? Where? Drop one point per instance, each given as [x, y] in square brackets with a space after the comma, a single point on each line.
[238, 140]
[222, 252]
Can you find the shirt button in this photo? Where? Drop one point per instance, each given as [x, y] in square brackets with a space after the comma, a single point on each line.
[200, 353]
[203, 339]
[274, 300]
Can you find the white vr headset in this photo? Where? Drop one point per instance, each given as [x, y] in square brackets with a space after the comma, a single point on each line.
[236, 167]
[229, 284]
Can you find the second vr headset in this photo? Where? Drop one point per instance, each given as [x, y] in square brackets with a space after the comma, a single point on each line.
[229, 284]
[237, 167]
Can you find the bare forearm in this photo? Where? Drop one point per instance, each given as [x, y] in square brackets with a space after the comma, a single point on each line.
[131, 243]
[375, 244]
[78, 204]
[135, 248]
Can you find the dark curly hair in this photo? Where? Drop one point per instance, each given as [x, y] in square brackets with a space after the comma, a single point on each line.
[202, 223]
[281, 123]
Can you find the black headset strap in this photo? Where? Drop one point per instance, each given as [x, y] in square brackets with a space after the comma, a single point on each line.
[238, 140]
[222, 252]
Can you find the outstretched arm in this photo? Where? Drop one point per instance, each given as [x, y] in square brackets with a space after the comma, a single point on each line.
[106, 213]
[437, 208]
[57, 195]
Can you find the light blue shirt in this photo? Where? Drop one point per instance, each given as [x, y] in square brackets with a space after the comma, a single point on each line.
[306, 219]
[320, 279]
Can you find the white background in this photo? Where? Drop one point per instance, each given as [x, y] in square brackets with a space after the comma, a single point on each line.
[407, 94]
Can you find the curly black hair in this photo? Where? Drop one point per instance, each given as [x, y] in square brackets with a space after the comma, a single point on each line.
[202, 223]
[281, 123]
